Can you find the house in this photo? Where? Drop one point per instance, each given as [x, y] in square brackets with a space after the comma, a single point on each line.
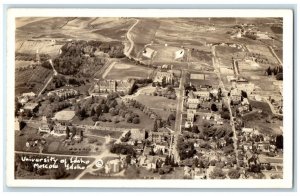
[160, 75]
[235, 96]
[247, 130]
[247, 146]
[199, 173]
[63, 93]
[245, 102]
[17, 124]
[193, 103]
[138, 134]
[44, 128]
[191, 115]
[160, 136]
[188, 124]
[263, 146]
[202, 95]
[59, 130]
[31, 107]
[23, 100]
[30, 94]
[113, 166]
[107, 86]
[163, 148]
[148, 52]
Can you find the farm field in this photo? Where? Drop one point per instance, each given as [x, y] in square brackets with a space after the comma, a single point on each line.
[142, 35]
[124, 71]
[42, 46]
[31, 79]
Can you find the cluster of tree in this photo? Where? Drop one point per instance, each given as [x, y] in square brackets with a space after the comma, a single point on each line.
[170, 161]
[217, 173]
[126, 137]
[169, 92]
[251, 35]
[123, 149]
[159, 123]
[58, 106]
[217, 132]
[30, 57]
[276, 71]
[186, 149]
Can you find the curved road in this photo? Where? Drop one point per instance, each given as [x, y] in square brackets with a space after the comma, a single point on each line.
[128, 51]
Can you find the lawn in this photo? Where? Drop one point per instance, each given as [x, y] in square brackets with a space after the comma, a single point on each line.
[104, 133]
[124, 71]
[157, 102]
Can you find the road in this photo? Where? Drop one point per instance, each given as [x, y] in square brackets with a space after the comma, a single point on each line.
[275, 55]
[128, 51]
[217, 71]
[179, 110]
[107, 70]
[50, 79]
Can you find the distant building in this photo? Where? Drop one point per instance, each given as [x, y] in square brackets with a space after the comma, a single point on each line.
[113, 166]
[63, 93]
[107, 86]
[30, 94]
[160, 75]
[17, 124]
[137, 134]
[202, 95]
[160, 137]
[59, 130]
[148, 52]
[235, 96]
[32, 107]
[191, 115]
[44, 128]
[193, 103]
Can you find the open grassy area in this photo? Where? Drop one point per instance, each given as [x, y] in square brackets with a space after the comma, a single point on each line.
[31, 79]
[123, 71]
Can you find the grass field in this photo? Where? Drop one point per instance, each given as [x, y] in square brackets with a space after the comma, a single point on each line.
[142, 35]
[123, 71]
[31, 79]
[164, 54]
[103, 133]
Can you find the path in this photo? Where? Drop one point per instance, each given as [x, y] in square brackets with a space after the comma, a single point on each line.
[50, 79]
[128, 51]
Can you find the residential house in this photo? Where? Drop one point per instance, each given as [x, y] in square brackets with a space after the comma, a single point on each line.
[199, 173]
[161, 136]
[235, 96]
[191, 115]
[44, 128]
[202, 95]
[59, 130]
[193, 103]
[113, 166]
[160, 75]
[247, 130]
[31, 107]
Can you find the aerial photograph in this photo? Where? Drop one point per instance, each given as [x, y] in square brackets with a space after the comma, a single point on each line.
[148, 98]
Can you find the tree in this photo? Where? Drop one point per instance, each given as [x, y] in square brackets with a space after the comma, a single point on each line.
[279, 141]
[234, 174]
[164, 82]
[93, 112]
[154, 127]
[195, 129]
[225, 115]
[214, 107]
[136, 120]
[217, 173]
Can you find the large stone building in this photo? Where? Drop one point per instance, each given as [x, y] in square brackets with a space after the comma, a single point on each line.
[107, 86]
